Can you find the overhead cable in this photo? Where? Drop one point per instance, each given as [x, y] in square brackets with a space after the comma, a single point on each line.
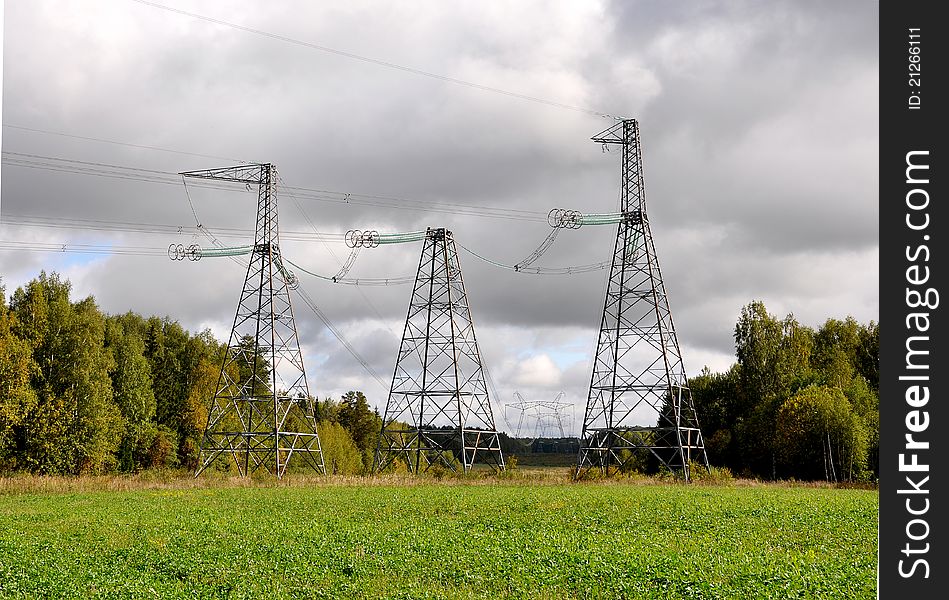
[112, 171]
[366, 281]
[339, 336]
[382, 63]
[310, 304]
[540, 270]
[117, 143]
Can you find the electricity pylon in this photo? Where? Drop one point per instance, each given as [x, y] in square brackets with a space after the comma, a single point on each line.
[438, 411]
[261, 414]
[543, 421]
[639, 408]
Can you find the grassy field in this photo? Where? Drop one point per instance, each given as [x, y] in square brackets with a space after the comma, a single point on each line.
[540, 459]
[351, 539]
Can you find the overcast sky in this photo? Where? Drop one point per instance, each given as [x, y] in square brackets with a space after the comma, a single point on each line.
[759, 129]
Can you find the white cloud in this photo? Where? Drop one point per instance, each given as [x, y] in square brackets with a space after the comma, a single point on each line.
[537, 371]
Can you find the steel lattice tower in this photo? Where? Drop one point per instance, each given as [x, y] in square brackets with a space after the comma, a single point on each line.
[639, 406]
[261, 414]
[553, 417]
[438, 408]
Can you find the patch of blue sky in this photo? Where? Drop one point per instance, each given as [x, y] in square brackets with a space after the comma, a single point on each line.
[565, 358]
[68, 258]
[573, 350]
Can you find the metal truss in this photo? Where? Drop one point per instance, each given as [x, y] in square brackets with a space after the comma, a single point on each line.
[639, 408]
[438, 411]
[262, 415]
[547, 415]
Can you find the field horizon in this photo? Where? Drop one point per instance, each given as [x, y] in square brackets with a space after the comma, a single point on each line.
[524, 474]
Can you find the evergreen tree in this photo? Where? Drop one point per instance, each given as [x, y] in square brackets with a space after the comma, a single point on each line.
[362, 423]
[716, 398]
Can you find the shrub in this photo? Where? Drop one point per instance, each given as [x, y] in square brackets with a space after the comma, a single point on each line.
[712, 476]
[340, 454]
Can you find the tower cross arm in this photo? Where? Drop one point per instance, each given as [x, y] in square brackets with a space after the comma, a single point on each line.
[253, 174]
[614, 134]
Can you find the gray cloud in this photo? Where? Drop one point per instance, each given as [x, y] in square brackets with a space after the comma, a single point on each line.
[759, 126]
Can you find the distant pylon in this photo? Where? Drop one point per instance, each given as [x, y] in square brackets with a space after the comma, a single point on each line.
[547, 423]
[438, 410]
[543, 421]
[261, 414]
[639, 407]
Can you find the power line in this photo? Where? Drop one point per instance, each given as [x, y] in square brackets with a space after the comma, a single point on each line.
[113, 171]
[310, 304]
[382, 63]
[194, 213]
[344, 266]
[166, 177]
[342, 339]
[151, 228]
[77, 248]
[97, 169]
[540, 270]
[127, 144]
[176, 229]
[363, 281]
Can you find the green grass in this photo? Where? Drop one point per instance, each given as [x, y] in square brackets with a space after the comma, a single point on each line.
[441, 541]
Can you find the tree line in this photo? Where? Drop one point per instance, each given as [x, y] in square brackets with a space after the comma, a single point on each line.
[798, 403]
[86, 392]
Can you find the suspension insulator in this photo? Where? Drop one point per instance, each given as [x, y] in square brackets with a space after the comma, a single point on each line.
[372, 239]
[177, 252]
[555, 216]
[353, 237]
[565, 219]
